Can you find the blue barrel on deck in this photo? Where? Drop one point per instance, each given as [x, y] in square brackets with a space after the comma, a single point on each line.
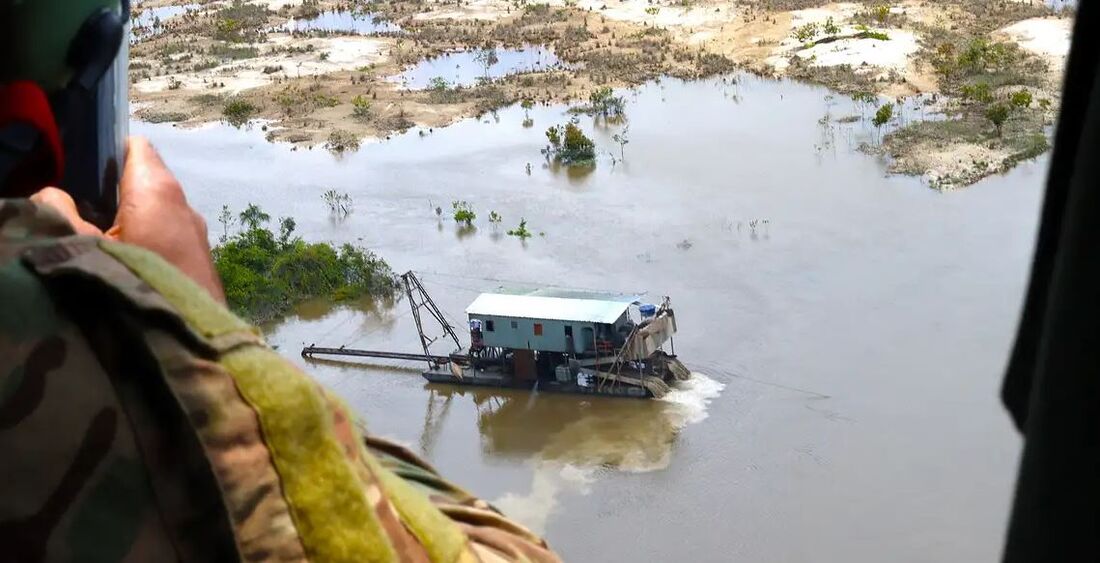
[647, 310]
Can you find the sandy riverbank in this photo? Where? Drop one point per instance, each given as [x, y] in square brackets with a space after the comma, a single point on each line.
[219, 58]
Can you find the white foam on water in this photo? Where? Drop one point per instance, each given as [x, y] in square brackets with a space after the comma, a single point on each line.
[690, 398]
[581, 476]
[534, 508]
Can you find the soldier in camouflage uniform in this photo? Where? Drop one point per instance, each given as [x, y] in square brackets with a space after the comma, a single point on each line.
[140, 420]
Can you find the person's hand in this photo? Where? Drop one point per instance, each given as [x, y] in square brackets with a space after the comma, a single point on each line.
[152, 213]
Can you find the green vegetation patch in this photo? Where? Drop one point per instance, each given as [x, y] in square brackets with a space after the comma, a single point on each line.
[238, 111]
[360, 108]
[163, 116]
[265, 274]
[296, 100]
[520, 231]
[227, 51]
[842, 78]
[340, 141]
[979, 60]
[463, 212]
[204, 65]
[1019, 133]
[880, 15]
[603, 102]
[963, 129]
[536, 14]
[207, 99]
[440, 91]
[240, 22]
[570, 146]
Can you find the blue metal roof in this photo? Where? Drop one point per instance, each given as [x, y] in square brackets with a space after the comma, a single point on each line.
[605, 311]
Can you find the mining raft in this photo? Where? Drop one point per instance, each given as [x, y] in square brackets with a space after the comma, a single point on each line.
[547, 339]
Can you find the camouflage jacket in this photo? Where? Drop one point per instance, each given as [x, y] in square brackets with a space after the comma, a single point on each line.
[141, 421]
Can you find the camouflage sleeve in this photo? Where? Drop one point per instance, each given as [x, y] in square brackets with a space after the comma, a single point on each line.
[488, 535]
[95, 463]
[199, 441]
[493, 535]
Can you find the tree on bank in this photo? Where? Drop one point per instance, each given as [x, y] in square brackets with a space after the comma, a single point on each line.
[998, 115]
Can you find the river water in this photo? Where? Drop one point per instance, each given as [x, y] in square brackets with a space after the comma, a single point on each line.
[462, 68]
[344, 21]
[848, 350]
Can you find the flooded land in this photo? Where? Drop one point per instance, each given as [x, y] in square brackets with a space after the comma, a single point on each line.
[334, 73]
[847, 327]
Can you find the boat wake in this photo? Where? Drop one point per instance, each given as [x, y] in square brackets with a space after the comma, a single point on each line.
[689, 398]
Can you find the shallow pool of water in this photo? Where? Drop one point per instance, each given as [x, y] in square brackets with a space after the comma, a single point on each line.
[152, 20]
[849, 327]
[465, 68]
[343, 21]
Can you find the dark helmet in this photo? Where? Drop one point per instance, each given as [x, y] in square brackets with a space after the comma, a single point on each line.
[63, 99]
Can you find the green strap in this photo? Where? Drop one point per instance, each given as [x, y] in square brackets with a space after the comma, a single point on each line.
[326, 497]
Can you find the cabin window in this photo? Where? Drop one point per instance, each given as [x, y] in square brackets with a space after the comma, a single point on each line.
[515, 325]
[538, 329]
[488, 326]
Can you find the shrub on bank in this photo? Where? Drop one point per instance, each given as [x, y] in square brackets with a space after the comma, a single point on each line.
[237, 112]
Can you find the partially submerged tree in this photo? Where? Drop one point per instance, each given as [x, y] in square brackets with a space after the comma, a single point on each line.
[883, 115]
[438, 83]
[604, 102]
[621, 139]
[463, 213]
[521, 231]
[486, 58]
[527, 104]
[569, 145]
[339, 204]
[863, 99]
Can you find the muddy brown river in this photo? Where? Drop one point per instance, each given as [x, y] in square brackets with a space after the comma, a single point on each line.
[848, 350]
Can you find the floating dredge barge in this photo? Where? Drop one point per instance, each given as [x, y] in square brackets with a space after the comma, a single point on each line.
[548, 339]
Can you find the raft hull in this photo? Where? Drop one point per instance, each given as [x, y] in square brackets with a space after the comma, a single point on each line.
[484, 378]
